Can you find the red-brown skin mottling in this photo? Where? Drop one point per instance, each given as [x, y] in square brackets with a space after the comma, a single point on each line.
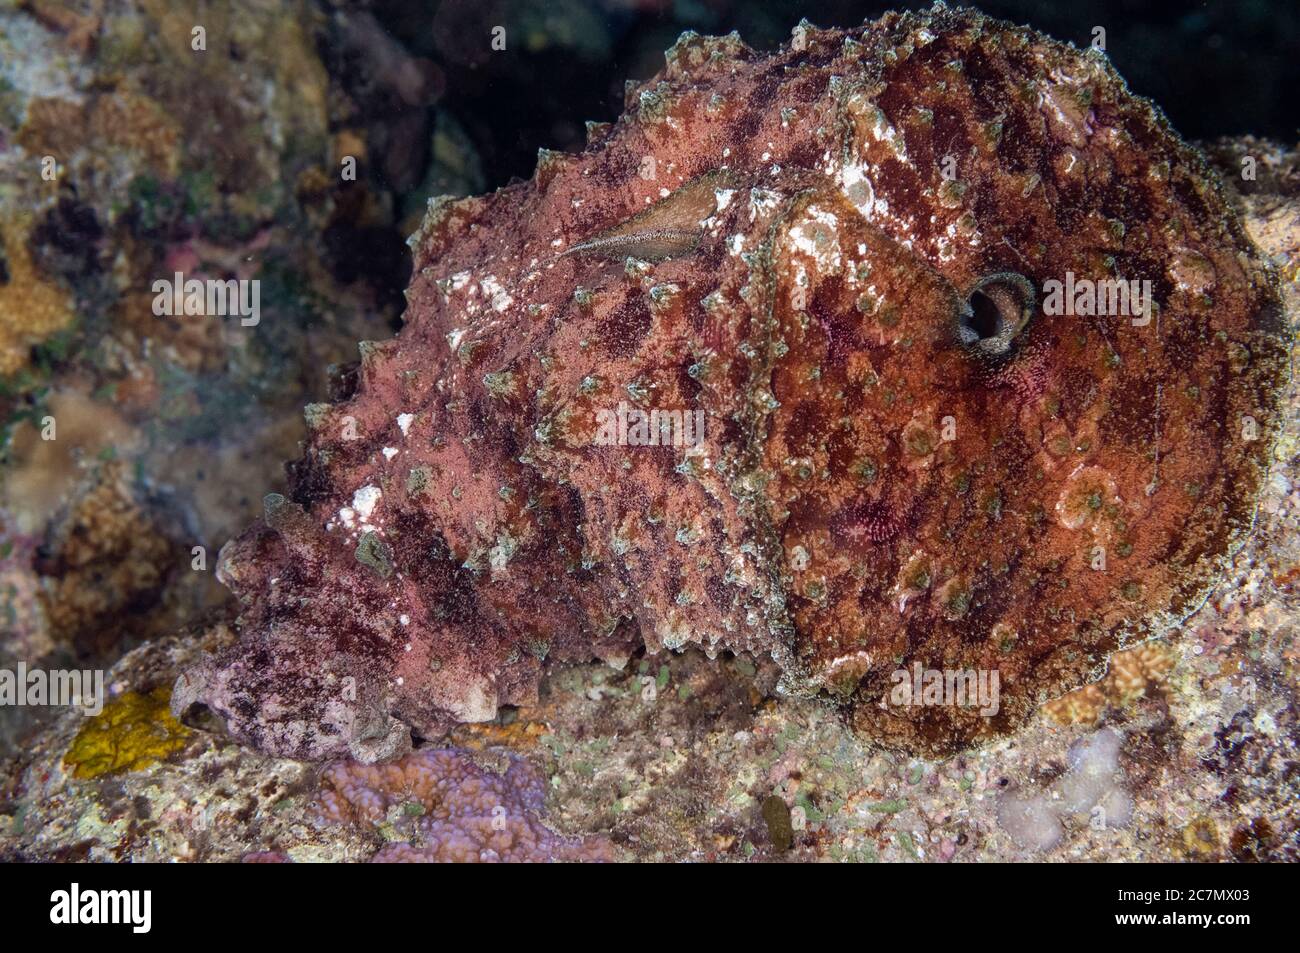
[871, 491]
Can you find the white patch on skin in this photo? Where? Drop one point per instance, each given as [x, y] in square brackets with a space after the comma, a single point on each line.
[404, 619]
[1073, 128]
[499, 555]
[347, 516]
[882, 130]
[364, 500]
[404, 423]
[477, 703]
[762, 200]
[454, 337]
[721, 199]
[857, 187]
[819, 240]
[853, 658]
[1068, 511]
[498, 295]
[390, 452]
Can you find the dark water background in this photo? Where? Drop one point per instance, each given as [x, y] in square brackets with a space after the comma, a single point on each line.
[1217, 68]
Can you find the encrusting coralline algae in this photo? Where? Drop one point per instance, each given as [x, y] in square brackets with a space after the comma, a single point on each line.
[837, 253]
[456, 810]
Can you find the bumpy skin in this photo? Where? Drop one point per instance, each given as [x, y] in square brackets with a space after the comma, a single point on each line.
[873, 490]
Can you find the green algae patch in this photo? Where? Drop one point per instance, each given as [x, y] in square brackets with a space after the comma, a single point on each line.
[132, 732]
[374, 552]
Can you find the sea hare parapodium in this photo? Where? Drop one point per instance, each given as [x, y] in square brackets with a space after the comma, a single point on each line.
[834, 260]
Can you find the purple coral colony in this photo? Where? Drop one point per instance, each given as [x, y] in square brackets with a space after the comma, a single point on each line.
[910, 385]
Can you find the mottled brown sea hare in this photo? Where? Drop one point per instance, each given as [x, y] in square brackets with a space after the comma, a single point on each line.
[840, 258]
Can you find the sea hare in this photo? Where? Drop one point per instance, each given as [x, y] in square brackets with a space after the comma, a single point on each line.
[903, 410]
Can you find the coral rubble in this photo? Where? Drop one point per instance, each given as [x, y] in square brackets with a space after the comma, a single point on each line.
[456, 811]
